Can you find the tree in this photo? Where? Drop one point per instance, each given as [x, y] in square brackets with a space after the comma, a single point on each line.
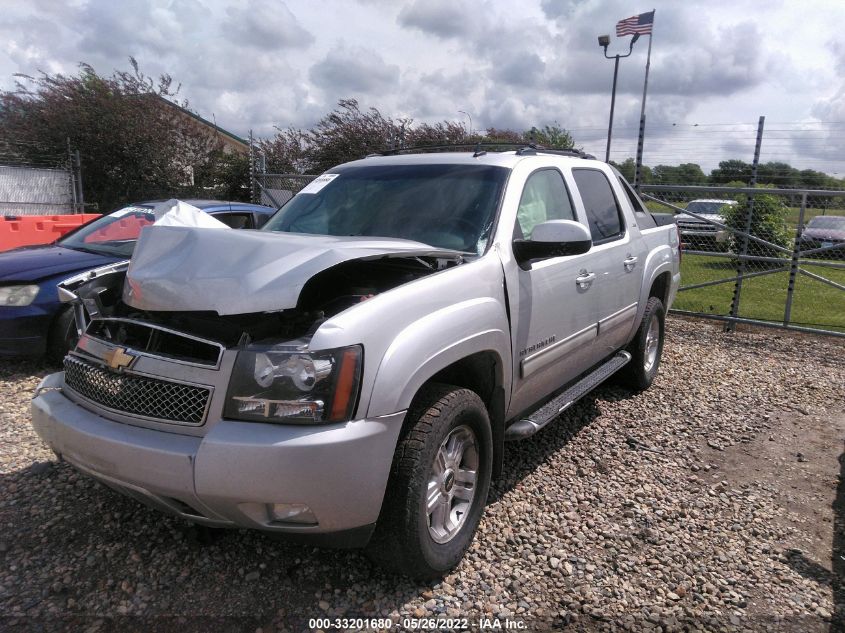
[683, 174]
[628, 169]
[227, 175]
[130, 143]
[347, 133]
[550, 136]
[285, 153]
[442, 133]
[729, 170]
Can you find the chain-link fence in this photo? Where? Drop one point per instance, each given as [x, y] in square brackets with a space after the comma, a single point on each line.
[38, 183]
[274, 190]
[765, 256]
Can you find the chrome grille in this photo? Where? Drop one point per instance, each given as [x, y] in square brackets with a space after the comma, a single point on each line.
[686, 225]
[137, 395]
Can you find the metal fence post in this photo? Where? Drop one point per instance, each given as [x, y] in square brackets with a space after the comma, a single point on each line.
[71, 178]
[741, 265]
[80, 194]
[793, 267]
[639, 164]
[252, 188]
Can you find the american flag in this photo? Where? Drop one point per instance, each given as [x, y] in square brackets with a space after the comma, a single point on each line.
[641, 24]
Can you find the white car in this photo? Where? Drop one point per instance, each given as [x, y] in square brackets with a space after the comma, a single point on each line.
[701, 224]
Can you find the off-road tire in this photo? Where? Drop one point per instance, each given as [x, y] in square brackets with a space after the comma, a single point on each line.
[635, 375]
[401, 542]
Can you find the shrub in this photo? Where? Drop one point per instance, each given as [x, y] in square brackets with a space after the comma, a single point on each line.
[768, 222]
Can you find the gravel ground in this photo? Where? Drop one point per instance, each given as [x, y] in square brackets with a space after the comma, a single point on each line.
[680, 508]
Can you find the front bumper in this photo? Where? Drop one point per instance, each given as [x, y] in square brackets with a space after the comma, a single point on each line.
[227, 477]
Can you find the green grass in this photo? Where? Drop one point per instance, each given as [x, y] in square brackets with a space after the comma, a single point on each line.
[814, 304]
[793, 213]
[791, 216]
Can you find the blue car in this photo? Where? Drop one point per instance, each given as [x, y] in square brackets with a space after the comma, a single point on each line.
[32, 320]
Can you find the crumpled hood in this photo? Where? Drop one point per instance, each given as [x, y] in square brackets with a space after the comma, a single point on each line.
[35, 263]
[238, 272]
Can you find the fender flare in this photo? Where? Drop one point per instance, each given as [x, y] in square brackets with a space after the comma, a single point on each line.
[665, 266]
[472, 326]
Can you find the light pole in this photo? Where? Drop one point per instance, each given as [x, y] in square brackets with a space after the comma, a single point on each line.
[470, 121]
[604, 42]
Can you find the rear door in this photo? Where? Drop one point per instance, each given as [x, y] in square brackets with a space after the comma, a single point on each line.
[557, 319]
[618, 258]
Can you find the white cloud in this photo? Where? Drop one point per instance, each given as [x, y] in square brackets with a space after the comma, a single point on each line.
[259, 63]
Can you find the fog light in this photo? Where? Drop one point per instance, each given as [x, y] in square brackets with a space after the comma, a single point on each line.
[291, 513]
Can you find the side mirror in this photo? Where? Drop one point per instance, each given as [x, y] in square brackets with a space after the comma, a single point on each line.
[554, 238]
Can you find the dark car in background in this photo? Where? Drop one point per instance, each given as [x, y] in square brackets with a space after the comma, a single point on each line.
[32, 320]
[826, 232]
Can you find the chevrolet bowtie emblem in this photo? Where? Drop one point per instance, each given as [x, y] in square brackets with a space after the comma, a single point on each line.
[118, 358]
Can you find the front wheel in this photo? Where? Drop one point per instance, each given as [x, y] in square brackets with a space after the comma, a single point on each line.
[646, 348]
[62, 336]
[438, 484]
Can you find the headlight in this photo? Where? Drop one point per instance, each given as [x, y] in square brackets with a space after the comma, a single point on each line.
[289, 384]
[17, 295]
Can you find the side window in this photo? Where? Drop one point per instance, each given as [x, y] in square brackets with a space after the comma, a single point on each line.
[602, 209]
[236, 220]
[643, 215]
[545, 197]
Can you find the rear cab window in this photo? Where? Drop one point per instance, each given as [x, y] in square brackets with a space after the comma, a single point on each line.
[603, 213]
[641, 212]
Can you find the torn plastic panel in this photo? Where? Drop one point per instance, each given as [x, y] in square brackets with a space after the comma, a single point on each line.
[237, 272]
[90, 292]
[175, 212]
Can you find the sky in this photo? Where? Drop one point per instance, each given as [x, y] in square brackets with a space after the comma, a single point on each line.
[716, 66]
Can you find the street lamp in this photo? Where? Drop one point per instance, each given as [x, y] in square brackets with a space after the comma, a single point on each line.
[604, 42]
[470, 122]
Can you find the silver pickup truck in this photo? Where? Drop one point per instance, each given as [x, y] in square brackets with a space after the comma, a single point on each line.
[349, 374]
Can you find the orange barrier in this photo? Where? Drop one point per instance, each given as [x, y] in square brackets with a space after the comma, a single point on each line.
[27, 230]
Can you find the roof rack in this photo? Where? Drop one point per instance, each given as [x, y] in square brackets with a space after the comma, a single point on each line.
[531, 150]
[522, 149]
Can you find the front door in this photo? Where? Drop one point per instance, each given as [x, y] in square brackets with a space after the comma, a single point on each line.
[557, 320]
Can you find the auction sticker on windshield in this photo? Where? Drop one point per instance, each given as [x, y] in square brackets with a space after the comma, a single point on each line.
[129, 210]
[318, 183]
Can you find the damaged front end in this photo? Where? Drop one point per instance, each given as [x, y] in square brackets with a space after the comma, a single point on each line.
[171, 307]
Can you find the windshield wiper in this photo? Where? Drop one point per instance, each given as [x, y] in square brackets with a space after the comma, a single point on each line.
[81, 249]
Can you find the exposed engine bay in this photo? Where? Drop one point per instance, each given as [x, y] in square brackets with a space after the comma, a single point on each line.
[100, 307]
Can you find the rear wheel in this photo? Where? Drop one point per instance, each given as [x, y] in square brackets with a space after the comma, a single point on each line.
[646, 348]
[438, 484]
[62, 336]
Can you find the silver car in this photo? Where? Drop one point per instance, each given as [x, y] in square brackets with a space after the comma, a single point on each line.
[348, 375]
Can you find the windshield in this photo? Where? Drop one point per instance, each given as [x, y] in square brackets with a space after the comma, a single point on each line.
[113, 234]
[698, 206]
[446, 206]
[827, 222]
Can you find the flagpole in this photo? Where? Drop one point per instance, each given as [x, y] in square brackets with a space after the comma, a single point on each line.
[639, 165]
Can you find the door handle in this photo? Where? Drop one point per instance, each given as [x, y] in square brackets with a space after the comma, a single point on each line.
[629, 263]
[585, 279]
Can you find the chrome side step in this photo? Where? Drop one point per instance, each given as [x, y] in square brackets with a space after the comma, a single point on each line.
[527, 427]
